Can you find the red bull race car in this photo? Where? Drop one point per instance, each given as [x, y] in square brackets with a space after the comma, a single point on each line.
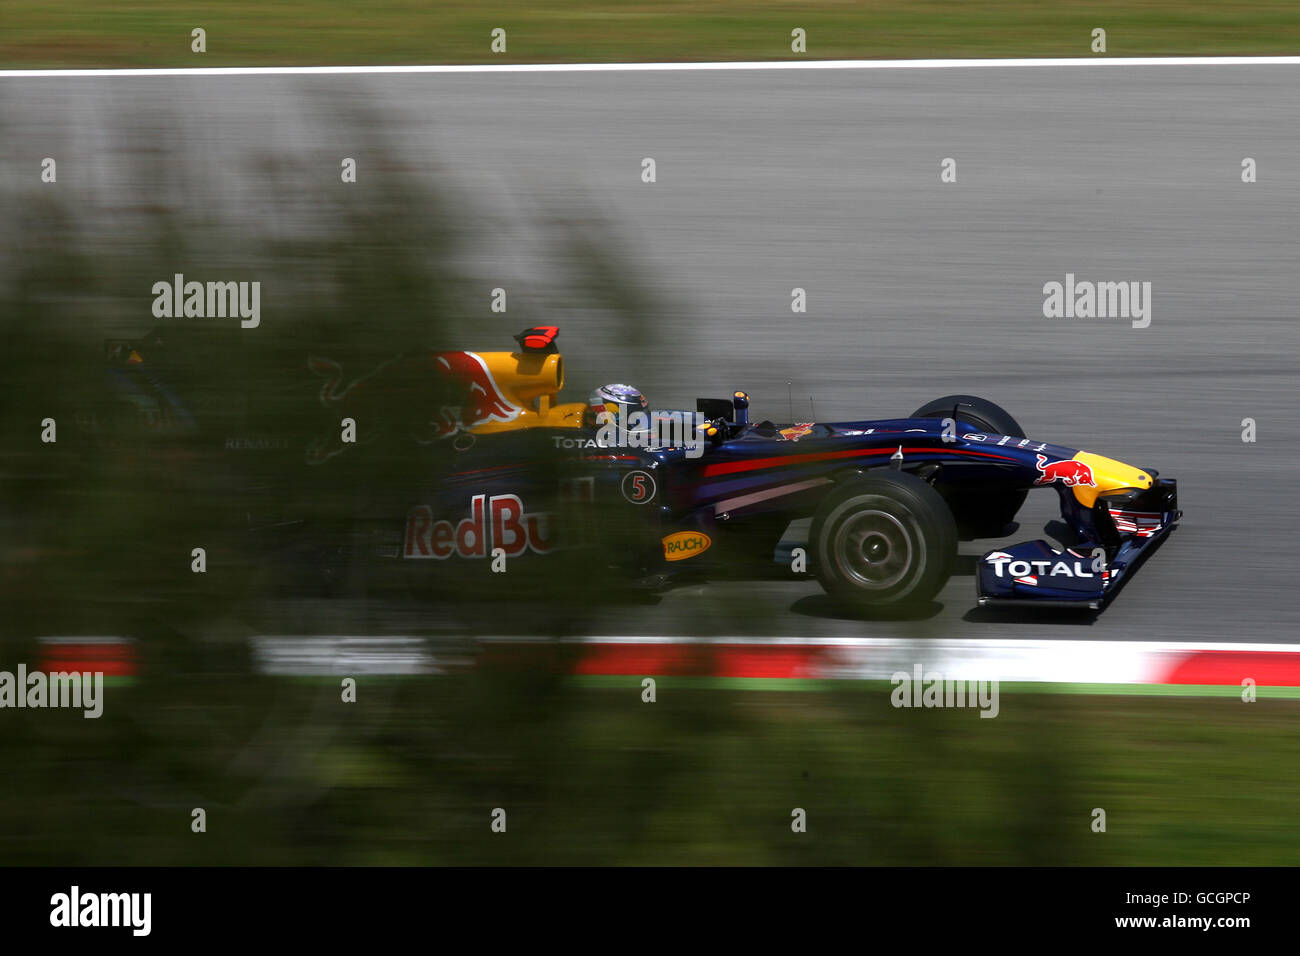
[460, 465]
[888, 499]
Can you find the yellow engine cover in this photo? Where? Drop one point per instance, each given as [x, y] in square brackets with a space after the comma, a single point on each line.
[529, 384]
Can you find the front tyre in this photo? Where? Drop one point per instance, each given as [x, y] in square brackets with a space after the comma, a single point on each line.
[972, 410]
[884, 540]
[980, 511]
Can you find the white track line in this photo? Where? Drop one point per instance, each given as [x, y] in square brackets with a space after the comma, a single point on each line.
[922, 642]
[989, 63]
[1030, 661]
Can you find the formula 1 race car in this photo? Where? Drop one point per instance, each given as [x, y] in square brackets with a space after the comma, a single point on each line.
[888, 499]
[468, 464]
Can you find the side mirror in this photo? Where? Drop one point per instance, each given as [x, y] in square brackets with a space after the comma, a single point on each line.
[740, 406]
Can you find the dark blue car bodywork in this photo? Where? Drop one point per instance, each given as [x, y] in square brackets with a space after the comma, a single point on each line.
[756, 476]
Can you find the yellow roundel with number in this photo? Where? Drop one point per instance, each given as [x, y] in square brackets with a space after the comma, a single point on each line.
[685, 544]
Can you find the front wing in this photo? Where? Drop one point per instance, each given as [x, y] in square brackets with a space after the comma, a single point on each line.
[1124, 529]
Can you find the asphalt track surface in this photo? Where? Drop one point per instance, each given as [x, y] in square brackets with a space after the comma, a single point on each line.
[829, 181]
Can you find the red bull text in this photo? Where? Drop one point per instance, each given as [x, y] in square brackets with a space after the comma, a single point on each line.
[498, 521]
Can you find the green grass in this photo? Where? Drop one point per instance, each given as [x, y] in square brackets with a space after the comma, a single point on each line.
[411, 772]
[74, 33]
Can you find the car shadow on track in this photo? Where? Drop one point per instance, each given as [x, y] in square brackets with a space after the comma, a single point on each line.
[1056, 616]
[825, 606]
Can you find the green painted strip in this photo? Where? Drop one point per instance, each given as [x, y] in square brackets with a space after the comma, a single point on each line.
[717, 683]
[821, 685]
[1013, 687]
[1153, 690]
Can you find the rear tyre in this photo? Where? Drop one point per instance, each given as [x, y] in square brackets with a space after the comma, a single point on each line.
[980, 512]
[883, 540]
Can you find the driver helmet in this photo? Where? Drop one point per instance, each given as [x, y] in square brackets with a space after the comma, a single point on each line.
[619, 401]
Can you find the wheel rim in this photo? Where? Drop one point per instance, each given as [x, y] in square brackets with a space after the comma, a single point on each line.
[874, 550]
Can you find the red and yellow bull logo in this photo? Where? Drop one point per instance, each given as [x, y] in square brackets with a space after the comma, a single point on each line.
[485, 400]
[1088, 475]
[497, 391]
[1069, 471]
